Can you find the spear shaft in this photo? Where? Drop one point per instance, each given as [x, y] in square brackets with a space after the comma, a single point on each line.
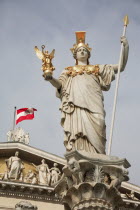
[116, 89]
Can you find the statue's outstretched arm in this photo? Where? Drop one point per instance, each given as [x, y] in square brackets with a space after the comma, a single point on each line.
[34, 165]
[124, 55]
[55, 82]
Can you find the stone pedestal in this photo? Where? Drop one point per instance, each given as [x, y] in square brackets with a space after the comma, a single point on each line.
[92, 183]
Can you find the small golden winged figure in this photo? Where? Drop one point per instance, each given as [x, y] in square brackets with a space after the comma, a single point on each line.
[46, 58]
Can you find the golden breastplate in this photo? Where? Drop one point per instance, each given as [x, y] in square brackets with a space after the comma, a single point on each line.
[81, 69]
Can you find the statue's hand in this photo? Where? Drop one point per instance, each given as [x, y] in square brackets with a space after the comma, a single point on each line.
[124, 41]
[48, 77]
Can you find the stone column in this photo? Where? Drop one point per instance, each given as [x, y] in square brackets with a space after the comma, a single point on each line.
[92, 183]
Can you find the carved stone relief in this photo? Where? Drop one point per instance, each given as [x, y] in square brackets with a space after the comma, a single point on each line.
[25, 205]
[18, 135]
[92, 183]
[14, 167]
[15, 170]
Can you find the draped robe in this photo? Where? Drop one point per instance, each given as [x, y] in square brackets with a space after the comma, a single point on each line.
[15, 166]
[44, 175]
[82, 108]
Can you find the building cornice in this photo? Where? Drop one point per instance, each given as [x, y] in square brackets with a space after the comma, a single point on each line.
[28, 191]
[131, 187]
[32, 150]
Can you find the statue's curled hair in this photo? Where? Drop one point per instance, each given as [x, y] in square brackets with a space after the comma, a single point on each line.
[75, 57]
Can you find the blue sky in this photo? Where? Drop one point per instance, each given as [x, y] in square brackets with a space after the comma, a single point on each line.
[24, 24]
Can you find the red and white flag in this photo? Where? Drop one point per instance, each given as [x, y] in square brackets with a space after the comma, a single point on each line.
[24, 114]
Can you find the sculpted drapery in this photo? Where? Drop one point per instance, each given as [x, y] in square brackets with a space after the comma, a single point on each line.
[44, 173]
[15, 166]
[83, 115]
[80, 89]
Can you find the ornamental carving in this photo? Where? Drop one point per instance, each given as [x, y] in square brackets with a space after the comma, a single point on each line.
[22, 205]
[92, 183]
[14, 169]
[18, 135]
[79, 70]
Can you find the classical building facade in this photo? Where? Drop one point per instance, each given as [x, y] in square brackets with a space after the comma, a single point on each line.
[28, 177]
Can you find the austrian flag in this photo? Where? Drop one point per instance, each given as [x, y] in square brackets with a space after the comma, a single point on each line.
[24, 114]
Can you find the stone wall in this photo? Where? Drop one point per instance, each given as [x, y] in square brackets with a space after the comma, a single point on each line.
[9, 204]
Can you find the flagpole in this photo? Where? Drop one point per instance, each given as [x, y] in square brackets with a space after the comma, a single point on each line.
[116, 89]
[14, 121]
